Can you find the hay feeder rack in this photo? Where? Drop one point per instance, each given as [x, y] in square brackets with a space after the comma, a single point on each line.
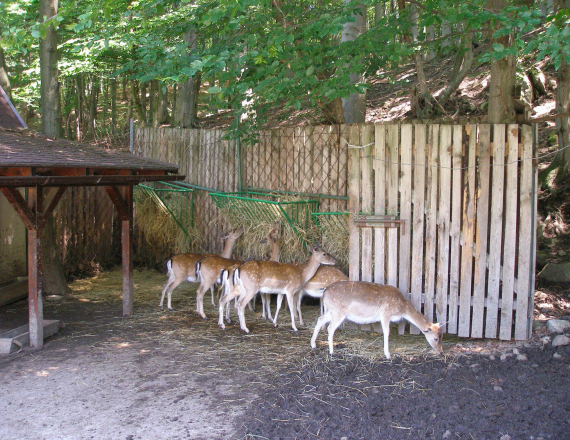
[176, 199]
[258, 207]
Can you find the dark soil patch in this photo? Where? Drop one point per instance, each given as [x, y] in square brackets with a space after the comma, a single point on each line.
[467, 397]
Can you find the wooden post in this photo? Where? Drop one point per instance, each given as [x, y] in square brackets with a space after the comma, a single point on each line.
[123, 201]
[127, 254]
[35, 271]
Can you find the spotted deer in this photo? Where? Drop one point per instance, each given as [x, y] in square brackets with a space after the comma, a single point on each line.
[183, 266]
[273, 236]
[364, 303]
[277, 278]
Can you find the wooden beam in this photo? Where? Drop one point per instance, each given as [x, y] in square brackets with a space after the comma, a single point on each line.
[119, 202]
[21, 206]
[20, 182]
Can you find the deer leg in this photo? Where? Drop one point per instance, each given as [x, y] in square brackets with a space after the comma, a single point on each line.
[277, 308]
[335, 322]
[324, 319]
[292, 305]
[298, 305]
[243, 301]
[386, 330]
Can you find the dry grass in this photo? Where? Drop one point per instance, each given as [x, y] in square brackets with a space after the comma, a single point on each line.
[272, 347]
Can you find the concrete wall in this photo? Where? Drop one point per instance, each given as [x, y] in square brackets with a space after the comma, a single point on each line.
[12, 243]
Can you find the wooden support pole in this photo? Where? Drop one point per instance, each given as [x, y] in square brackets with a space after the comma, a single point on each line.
[35, 271]
[122, 198]
[127, 243]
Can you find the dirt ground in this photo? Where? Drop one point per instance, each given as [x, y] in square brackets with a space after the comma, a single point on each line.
[172, 375]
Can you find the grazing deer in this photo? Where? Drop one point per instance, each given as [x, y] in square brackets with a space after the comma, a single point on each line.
[277, 278]
[273, 236]
[365, 303]
[183, 266]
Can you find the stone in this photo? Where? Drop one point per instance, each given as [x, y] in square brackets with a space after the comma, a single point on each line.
[497, 388]
[557, 356]
[522, 357]
[557, 325]
[556, 272]
[560, 340]
[506, 437]
[446, 434]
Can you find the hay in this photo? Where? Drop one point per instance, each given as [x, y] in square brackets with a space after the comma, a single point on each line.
[255, 229]
[159, 234]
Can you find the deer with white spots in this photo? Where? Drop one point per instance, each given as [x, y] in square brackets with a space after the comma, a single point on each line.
[365, 303]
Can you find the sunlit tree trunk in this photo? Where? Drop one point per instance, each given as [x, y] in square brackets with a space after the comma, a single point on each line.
[355, 104]
[503, 74]
[50, 103]
[186, 110]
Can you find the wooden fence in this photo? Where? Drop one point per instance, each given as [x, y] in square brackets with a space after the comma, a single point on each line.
[466, 194]
[460, 242]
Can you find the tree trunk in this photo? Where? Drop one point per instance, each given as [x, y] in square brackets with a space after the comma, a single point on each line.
[50, 104]
[114, 106]
[355, 104]
[333, 111]
[186, 110]
[562, 124]
[93, 100]
[4, 79]
[503, 75]
[161, 115]
[136, 104]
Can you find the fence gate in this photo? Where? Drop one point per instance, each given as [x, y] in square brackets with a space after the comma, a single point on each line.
[447, 213]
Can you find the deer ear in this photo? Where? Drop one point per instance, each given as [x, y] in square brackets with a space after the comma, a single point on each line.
[442, 324]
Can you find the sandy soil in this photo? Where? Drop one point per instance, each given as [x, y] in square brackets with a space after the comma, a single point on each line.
[172, 375]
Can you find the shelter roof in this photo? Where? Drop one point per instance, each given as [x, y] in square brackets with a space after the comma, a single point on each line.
[36, 160]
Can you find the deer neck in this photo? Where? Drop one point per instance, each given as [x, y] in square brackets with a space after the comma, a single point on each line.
[274, 252]
[416, 318]
[228, 248]
[309, 269]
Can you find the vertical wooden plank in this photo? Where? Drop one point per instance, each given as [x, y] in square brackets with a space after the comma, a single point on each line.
[442, 283]
[322, 146]
[417, 223]
[455, 228]
[496, 231]
[526, 243]
[290, 152]
[354, 201]
[275, 154]
[380, 202]
[367, 192]
[392, 145]
[431, 221]
[509, 247]
[405, 233]
[467, 234]
[481, 230]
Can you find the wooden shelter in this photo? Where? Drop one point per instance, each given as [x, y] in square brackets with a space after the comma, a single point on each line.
[45, 168]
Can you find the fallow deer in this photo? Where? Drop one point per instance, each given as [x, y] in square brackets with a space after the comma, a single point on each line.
[364, 303]
[273, 236]
[183, 266]
[277, 278]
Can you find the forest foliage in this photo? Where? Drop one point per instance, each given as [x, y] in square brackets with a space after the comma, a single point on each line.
[123, 58]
